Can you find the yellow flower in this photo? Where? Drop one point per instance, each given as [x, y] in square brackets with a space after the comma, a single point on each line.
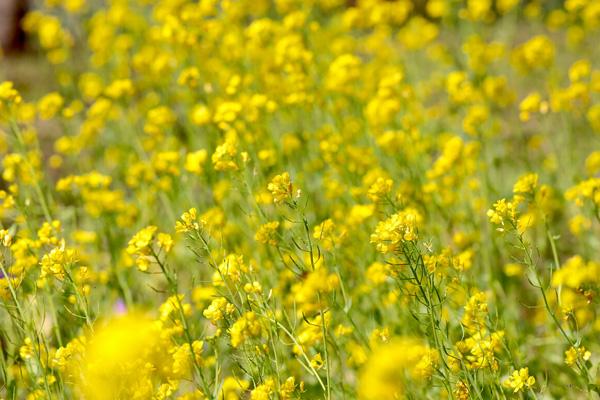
[317, 361]
[173, 308]
[223, 158]
[26, 351]
[58, 261]
[9, 96]
[165, 241]
[281, 188]
[576, 272]
[536, 53]
[476, 116]
[377, 273]
[194, 161]
[385, 375]
[119, 88]
[200, 115]
[533, 103]
[311, 333]
[526, 184]
[188, 222]
[158, 119]
[475, 315]
[593, 117]
[263, 391]
[579, 224]
[461, 391]
[246, 327]
[140, 246]
[122, 358]
[218, 309]
[182, 358]
[287, 388]
[513, 269]
[379, 189]
[342, 73]
[519, 380]
[233, 388]
[502, 210]
[267, 233]
[189, 77]
[400, 227]
[574, 354]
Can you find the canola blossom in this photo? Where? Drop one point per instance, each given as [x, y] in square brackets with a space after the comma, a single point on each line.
[286, 199]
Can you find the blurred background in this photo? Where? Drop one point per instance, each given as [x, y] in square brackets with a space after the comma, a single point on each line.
[20, 62]
[12, 37]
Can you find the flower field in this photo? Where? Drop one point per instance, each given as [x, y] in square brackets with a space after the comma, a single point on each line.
[288, 199]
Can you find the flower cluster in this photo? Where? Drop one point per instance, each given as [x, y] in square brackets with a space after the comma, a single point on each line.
[260, 200]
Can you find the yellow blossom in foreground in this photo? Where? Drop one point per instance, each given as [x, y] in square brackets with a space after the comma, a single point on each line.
[121, 359]
[391, 365]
